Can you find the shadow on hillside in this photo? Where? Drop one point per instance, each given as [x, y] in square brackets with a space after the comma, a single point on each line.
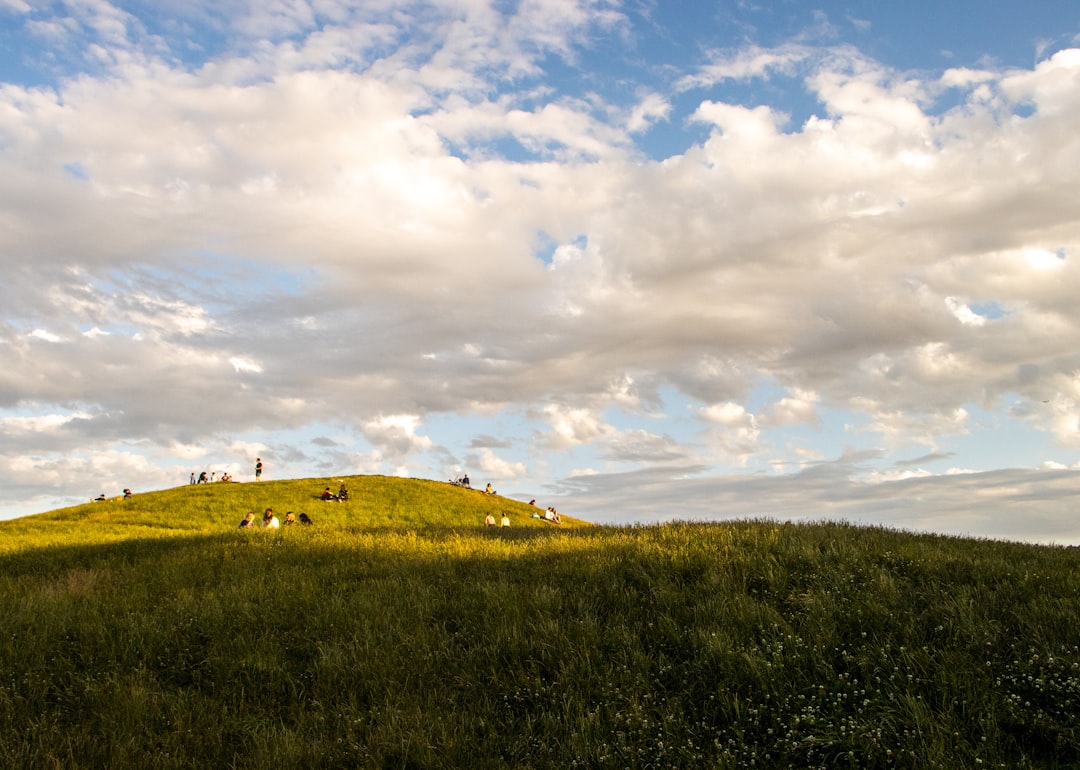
[54, 558]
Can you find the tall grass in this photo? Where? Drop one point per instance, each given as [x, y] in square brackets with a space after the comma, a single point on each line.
[365, 641]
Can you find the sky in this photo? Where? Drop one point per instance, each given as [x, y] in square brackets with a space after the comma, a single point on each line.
[639, 260]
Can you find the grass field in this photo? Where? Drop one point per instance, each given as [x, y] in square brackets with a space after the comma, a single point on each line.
[399, 632]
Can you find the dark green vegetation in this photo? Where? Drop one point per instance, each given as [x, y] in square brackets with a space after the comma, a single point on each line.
[398, 632]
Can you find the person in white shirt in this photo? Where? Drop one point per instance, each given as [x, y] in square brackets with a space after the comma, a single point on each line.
[270, 520]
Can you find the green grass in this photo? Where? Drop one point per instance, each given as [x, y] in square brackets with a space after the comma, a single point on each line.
[399, 632]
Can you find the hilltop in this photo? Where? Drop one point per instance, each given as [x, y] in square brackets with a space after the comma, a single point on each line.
[374, 502]
[400, 632]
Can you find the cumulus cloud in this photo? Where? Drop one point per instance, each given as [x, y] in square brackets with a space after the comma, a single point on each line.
[395, 436]
[332, 215]
[491, 466]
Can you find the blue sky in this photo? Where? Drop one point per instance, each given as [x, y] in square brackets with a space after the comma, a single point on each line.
[636, 260]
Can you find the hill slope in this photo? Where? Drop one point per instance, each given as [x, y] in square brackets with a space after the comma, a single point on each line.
[368, 642]
[374, 502]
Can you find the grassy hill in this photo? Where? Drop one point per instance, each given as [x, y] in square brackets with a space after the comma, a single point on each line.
[399, 632]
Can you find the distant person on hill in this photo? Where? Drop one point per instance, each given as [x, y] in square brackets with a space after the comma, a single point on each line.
[343, 493]
[192, 478]
[465, 481]
[327, 495]
[490, 520]
[305, 519]
[258, 468]
[290, 518]
[270, 520]
[505, 520]
[127, 493]
[100, 498]
[225, 477]
[488, 490]
[248, 521]
[202, 478]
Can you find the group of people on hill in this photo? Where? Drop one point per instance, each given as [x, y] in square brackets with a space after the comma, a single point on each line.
[341, 496]
[202, 478]
[270, 521]
[463, 481]
[490, 520]
[550, 514]
[101, 498]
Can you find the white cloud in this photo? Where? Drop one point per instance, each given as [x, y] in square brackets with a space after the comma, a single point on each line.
[571, 426]
[728, 414]
[963, 313]
[395, 436]
[244, 365]
[47, 336]
[346, 201]
[744, 64]
[1041, 259]
[38, 423]
[652, 108]
[798, 407]
[491, 466]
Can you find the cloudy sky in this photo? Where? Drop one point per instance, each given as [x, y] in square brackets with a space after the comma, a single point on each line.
[639, 260]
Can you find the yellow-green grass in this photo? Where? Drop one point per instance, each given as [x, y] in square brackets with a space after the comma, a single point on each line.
[398, 631]
[374, 502]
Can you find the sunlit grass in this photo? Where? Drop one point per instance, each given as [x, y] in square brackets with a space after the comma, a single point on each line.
[400, 632]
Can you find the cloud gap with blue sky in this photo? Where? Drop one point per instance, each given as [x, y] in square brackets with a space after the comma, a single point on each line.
[640, 261]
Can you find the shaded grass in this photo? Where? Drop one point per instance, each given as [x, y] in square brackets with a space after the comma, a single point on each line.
[357, 644]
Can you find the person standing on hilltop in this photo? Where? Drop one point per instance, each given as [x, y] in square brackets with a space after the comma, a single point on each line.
[258, 468]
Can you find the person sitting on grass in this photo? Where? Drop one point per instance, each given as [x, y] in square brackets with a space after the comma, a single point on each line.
[327, 495]
[505, 520]
[343, 493]
[100, 498]
[305, 519]
[270, 520]
[248, 521]
[489, 490]
[290, 518]
[127, 493]
[490, 520]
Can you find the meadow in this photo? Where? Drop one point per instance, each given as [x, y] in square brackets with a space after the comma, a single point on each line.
[399, 632]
